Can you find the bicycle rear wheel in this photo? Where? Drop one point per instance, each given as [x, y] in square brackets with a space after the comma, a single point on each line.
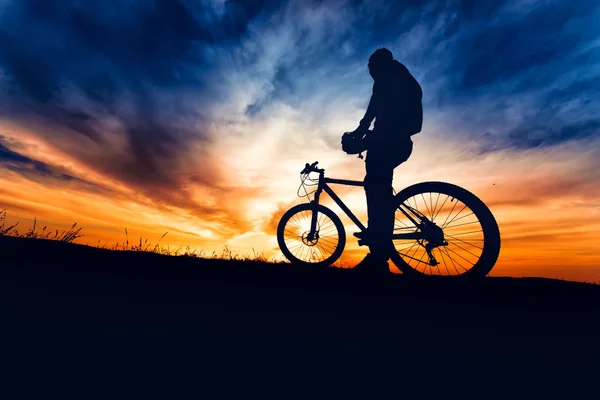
[469, 229]
[293, 230]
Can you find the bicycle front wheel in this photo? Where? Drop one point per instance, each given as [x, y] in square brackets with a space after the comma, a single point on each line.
[470, 232]
[294, 240]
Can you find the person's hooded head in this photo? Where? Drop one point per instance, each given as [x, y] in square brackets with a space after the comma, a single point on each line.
[380, 62]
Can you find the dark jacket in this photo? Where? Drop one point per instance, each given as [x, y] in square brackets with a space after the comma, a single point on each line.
[395, 104]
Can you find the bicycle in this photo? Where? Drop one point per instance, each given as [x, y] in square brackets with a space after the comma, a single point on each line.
[312, 234]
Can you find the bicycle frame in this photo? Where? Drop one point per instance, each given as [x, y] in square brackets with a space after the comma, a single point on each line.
[324, 186]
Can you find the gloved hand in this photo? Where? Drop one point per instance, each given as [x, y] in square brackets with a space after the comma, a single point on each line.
[353, 142]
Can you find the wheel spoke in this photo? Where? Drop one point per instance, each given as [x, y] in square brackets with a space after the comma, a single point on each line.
[417, 249]
[329, 242]
[403, 223]
[298, 221]
[423, 255]
[435, 207]
[465, 224]
[406, 246]
[461, 210]
[441, 207]
[297, 247]
[470, 244]
[411, 247]
[425, 201]
[464, 216]
[444, 261]
[464, 233]
[451, 259]
[321, 251]
[449, 249]
[462, 248]
[450, 213]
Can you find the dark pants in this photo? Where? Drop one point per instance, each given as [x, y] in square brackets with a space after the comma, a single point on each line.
[382, 158]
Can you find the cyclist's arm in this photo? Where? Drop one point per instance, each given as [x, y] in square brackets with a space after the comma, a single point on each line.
[365, 123]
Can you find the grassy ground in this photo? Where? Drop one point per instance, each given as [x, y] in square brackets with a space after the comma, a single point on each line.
[79, 313]
[143, 245]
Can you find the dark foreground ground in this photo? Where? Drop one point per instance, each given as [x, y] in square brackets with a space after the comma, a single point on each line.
[127, 324]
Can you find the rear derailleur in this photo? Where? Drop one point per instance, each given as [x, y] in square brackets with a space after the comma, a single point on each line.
[434, 236]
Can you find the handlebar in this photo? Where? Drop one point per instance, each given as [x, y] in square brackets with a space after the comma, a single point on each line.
[308, 168]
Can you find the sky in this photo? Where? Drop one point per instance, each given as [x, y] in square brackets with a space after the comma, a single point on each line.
[196, 117]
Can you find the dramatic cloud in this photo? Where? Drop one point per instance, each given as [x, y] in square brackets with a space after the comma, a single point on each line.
[32, 168]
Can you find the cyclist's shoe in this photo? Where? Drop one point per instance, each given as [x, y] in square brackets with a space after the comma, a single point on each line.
[362, 234]
[371, 266]
[363, 237]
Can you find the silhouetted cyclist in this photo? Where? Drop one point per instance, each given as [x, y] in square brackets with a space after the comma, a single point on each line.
[396, 107]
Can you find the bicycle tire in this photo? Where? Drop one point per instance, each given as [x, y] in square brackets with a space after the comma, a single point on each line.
[491, 233]
[281, 240]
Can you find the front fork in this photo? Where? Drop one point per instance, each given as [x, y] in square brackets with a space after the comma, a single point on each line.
[314, 233]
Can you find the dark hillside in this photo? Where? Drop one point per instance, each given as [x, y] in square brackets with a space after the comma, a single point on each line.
[74, 308]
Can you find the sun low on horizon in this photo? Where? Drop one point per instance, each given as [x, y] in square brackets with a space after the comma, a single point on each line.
[196, 117]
